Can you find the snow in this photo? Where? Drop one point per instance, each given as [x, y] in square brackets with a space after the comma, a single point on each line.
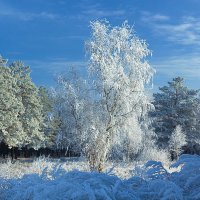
[46, 179]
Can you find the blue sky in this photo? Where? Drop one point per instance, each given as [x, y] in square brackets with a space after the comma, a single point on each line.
[49, 35]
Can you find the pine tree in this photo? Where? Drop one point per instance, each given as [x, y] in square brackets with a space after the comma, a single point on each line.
[176, 105]
[11, 107]
[32, 118]
[47, 107]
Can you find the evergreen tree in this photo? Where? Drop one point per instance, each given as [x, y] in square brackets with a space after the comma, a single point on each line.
[47, 108]
[46, 100]
[11, 107]
[32, 118]
[176, 105]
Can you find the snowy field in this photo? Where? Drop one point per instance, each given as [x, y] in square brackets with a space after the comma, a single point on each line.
[45, 179]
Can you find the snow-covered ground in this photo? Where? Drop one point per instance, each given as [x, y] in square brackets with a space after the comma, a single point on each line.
[45, 179]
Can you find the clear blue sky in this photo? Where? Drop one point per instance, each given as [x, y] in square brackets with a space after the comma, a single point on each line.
[49, 35]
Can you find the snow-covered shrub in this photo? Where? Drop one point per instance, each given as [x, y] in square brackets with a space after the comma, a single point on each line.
[154, 153]
[40, 164]
[155, 170]
[161, 190]
[189, 176]
[9, 169]
[18, 169]
[72, 185]
[152, 182]
[85, 185]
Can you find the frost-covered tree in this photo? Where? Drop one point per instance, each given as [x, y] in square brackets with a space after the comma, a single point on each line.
[118, 63]
[32, 118]
[177, 141]
[71, 109]
[175, 104]
[46, 100]
[11, 107]
[47, 108]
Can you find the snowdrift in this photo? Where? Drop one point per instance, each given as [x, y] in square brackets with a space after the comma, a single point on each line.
[153, 182]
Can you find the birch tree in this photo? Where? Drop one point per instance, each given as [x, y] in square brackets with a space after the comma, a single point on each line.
[177, 141]
[117, 61]
[72, 108]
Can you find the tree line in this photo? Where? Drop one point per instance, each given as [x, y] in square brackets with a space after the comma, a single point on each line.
[108, 115]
